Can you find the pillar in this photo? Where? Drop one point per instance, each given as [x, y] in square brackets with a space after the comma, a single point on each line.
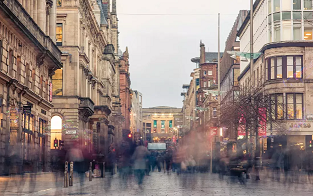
[35, 7]
[41, 14]
[52, 22]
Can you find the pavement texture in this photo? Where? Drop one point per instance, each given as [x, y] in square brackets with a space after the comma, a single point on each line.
[157, 184]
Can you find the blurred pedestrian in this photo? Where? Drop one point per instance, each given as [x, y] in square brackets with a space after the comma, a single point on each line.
[168, 160]
[75, 155]
[140, 157]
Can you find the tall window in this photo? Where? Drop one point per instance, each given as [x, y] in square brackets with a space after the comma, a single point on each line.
[204, 84]
[272, 68]
[204, 73]
[294, 106]
[296, 4]
[276, 107]
[170, 124]
[297, 17]
[269, 6]
[155, 124]
[307, 4]
[276, 5]
[214, 112]
[279, 72]
[57, 82]
[56, 129]
[59, 34]
[59, 3]
[162, 126]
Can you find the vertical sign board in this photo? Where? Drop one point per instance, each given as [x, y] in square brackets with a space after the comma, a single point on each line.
[50, 92]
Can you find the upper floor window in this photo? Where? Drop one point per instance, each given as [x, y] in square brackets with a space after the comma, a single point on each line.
[59, 34]
[214, 112]
[204, 84]
[276, 107]
[307, 4]
[204, 73]
[284, 67]
[210, 73]
[296, 4]
[57, 82]
[59, 3]
[294, 106]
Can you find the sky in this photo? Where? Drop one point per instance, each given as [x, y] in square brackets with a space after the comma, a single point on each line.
[163, 35]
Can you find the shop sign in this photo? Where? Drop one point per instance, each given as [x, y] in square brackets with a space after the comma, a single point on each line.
[70, 132]
[309, 117]
[299, 125]
[213, 131]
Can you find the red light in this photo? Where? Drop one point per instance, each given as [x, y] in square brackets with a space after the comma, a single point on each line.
[310, 142]
[129, 135]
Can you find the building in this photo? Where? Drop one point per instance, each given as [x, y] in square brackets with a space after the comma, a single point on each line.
[125, 91]
[136, 114]
[283, 35]
[230, 70]
[85, 91]
[28, 59]
[162, 124]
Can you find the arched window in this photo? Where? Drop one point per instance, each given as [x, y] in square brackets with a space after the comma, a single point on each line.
[56, 129]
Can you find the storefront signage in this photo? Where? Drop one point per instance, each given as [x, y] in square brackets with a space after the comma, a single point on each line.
[70, 132]
[27, 109]
[309, 117]
[299, 125]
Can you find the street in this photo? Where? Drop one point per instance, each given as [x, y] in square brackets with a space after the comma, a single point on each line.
[163, 184]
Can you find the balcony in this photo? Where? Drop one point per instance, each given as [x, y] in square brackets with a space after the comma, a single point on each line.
[87, 106]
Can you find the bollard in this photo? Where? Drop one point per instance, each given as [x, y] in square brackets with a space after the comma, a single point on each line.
[90, 171]
[103, 169]
[71, 174]
[66, 175]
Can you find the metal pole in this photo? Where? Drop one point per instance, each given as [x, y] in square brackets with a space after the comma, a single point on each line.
[66, 175]
[90, 171]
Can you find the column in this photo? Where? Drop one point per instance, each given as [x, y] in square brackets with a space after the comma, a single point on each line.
[52, 21]
[35, 7]
[41, 14]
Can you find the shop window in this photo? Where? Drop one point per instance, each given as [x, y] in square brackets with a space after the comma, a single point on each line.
[28, 122]
[294, 106]
[59, 34]
[57, 82]
[297, 4]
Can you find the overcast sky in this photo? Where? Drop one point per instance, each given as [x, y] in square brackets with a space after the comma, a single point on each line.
[161, 46]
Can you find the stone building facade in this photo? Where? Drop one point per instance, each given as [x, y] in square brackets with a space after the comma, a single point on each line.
[282, 72]
[162, 124]
[86, 89]
[28, 59]
[125, 91]
[136, 113]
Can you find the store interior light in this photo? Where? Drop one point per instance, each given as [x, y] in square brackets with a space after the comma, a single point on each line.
[308, 34]
[305, 37]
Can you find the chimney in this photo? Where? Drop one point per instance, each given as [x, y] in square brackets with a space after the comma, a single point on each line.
[202, 53]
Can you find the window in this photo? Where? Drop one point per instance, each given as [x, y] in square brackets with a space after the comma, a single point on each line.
[279, 72]
[210, 73]
[170, 124]
[276, 5]
[57, 82]
[155, 124]
[307, 4]
[59, 3]
[204, 84]
[162, 126]
[307, 33]
[204, 73]
[277, 31]
[59, 34]
[294, 106]
[284, 67]
[296, 4]
[42, 126]
[297, 31]
[28, 122]
[269, 6]
[214, 112]
[56, 129]
[276, 107]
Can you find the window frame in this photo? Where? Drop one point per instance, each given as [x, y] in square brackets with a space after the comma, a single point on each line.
[294, 106]
[275, 104]
[62, 34]
[284, 67]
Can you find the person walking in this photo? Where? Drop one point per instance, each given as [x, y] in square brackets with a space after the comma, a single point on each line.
[140, 157]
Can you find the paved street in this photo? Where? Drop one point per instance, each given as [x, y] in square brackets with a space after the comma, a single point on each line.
[162, 184]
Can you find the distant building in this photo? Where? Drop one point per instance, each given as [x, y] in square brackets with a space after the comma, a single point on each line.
[136, 113]
[162, 124]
